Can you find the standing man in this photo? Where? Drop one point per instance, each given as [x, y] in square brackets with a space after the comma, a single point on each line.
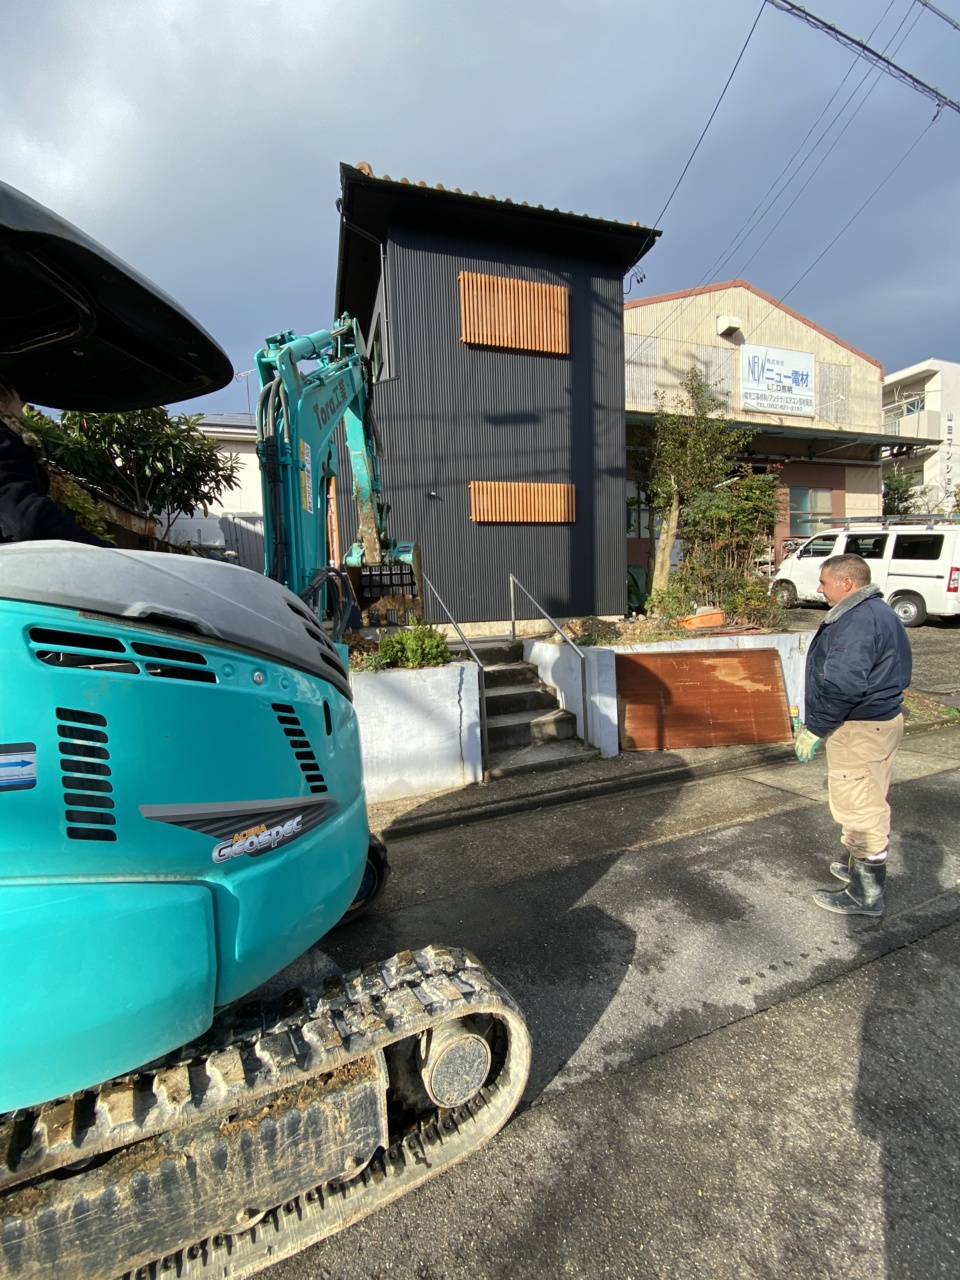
[27, 511]
[858, 666]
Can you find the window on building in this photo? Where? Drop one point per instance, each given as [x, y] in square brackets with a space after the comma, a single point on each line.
[809, 509]
[638, 512]
[499, 311]
[903, 408]
[376, 351]
[506, 502]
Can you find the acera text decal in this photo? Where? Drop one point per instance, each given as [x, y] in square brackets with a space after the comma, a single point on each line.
[257, 840]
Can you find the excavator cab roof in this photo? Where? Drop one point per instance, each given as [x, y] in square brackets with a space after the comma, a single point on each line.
[79, 329]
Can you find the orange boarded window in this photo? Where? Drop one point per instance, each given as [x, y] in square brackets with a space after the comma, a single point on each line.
[499, 502]
[496, 311]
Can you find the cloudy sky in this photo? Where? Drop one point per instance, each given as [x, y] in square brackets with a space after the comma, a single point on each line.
[199, 140]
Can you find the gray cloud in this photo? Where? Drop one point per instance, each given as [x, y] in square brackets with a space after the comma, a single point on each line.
[200, 141]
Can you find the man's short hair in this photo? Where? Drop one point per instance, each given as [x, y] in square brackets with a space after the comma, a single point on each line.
[849, 566]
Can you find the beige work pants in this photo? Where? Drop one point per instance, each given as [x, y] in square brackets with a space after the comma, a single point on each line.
[859, 762]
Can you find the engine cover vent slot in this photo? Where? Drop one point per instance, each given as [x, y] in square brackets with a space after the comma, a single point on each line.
[179, 673]
[84, 751]
[168, 654]
[107, 654]
[309, 623]
[303, 752]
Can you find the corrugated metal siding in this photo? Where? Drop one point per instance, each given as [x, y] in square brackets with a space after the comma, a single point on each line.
[640, 367]
[498, 311]
[452, 412]
[494, 501]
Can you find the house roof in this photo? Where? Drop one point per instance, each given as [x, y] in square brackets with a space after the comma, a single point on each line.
[751, 288]
[370, 205]
[926, 368]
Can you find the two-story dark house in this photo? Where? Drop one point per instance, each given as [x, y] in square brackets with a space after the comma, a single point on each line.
[496, 335]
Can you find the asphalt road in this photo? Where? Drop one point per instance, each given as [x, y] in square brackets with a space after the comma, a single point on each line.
[936, 652]
[727, 1082]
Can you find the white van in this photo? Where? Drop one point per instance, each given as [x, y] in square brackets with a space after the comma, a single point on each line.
[915, 561]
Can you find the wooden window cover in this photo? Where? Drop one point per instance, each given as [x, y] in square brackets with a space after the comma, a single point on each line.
[496, 311]
[502, 502]
[708, 698]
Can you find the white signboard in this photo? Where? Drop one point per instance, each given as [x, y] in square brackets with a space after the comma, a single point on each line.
[775, 381]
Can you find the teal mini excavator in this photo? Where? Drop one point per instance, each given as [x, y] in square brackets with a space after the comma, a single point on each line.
[169, 1103]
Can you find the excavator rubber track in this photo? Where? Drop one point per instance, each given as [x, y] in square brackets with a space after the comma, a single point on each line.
[285, 1123]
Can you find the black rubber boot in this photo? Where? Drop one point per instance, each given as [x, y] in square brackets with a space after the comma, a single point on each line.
[841, 870]
[863, 896]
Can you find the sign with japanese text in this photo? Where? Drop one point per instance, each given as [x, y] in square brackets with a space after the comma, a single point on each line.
[775, 381]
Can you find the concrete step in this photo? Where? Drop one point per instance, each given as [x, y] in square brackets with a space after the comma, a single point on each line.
[512, 674]
[539, 756]
[525, 697]
[491, 651]
[521, 728]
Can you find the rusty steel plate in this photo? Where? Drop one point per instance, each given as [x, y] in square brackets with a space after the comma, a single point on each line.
[708, 698]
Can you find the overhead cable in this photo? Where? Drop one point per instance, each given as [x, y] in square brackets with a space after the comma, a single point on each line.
[864, 51]
[940, 14]
[876, 191]
[860, 105]
[752, 223]
[712, 114]
[749, 225]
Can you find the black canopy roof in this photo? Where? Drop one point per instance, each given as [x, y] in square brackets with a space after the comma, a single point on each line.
[79, 329]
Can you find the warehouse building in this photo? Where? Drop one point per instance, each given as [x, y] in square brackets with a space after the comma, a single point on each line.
[814, 401]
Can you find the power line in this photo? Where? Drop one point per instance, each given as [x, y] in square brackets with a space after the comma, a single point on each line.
[751, 224]
[876, 191]
[940, 14]
[864, 51]
[712, 114]
[833, 144]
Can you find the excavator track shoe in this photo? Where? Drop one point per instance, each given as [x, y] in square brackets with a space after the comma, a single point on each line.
[279, 1127]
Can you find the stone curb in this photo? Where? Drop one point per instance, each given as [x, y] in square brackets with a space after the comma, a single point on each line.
[551, 797]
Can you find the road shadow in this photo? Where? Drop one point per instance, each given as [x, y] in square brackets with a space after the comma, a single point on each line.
[561, 957]
[907, 1089]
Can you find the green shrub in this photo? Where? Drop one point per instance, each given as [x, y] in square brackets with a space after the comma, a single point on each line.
[675, 600]
[420, 645]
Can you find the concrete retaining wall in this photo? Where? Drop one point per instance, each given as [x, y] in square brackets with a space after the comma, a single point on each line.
[559, 666]
[419, 730]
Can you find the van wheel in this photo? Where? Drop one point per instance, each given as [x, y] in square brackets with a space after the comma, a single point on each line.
[910, 609]
[784, 594]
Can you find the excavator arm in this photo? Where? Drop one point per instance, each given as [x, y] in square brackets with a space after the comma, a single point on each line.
[298, 413]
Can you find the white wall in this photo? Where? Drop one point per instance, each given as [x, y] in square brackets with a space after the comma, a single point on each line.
[559, 666]
[419, 730]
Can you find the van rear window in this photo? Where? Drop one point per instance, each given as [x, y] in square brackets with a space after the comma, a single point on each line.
[918, 546]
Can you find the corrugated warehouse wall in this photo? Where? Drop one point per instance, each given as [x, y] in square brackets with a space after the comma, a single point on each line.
[451, 413]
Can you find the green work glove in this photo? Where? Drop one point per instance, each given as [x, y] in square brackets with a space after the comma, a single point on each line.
[805, 744]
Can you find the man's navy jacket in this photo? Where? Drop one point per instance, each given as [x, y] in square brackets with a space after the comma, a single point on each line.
[858, 665]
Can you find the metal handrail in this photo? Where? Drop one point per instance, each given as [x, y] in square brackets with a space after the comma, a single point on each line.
[515, 582]
[484, 746]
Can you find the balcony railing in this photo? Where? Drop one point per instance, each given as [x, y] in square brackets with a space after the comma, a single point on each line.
[920, 424]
